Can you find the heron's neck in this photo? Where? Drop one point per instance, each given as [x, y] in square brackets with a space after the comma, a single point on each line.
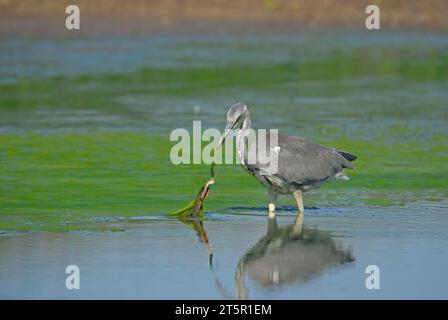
[241, 137]
[246, 123]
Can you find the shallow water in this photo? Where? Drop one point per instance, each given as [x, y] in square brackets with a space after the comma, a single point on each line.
[84, 148]
[165, 259]
[85, 123]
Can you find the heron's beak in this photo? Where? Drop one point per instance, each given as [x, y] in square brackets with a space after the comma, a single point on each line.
[227, 130]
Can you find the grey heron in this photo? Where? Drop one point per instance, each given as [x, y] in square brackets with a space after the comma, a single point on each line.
[302, 164]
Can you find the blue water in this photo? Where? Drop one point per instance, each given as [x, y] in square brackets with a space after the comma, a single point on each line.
[165, 259]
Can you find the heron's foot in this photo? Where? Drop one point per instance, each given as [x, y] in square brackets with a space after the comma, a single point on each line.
[272, 203]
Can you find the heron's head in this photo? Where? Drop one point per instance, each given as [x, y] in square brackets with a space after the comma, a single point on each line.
[237, 114]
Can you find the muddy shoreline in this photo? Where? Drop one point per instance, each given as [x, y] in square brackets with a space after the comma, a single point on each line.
[46, 18]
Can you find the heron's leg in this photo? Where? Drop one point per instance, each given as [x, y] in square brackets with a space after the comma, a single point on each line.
[299, 200]
[272, 202]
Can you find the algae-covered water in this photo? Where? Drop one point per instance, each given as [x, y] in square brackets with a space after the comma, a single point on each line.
[84, 147]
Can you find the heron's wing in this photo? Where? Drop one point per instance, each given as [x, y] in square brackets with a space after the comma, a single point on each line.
[299, 160]
[303, 161]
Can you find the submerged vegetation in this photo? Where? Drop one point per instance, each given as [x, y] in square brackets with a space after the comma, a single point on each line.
[78, 147]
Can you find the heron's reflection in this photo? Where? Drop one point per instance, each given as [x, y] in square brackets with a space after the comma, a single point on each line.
[288, 254]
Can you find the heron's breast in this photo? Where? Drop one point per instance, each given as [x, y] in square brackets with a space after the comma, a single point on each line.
[274, 183]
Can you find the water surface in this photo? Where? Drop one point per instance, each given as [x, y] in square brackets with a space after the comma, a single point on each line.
[165, 259]
[86, 179]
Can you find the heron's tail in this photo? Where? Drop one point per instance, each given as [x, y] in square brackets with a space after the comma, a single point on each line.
[348, 156]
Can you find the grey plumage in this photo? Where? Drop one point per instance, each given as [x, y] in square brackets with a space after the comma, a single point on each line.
[302, 164]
